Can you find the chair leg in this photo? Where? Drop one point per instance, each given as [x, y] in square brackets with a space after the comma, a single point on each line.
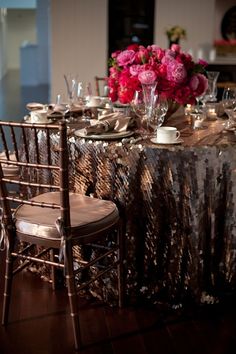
[120, 266]
[72, 294]
[7, 287]
[53, 270]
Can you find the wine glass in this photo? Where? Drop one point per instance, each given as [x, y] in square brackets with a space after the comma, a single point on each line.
[140, 109]
[71, 87]
[159, 110]
[83, 96]
[211, 92]
[62, 107]
[229, 104]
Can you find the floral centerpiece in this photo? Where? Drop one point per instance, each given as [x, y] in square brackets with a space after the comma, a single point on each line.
[178, 77]
[175, 33]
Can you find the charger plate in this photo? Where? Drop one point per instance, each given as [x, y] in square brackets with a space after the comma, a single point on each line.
[106, 136]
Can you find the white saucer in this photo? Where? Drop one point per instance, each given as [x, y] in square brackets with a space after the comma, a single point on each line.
[28, 120]
[178, 141]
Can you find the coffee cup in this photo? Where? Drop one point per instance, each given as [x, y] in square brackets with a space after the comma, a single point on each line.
[39, 116]
[167, 135]
[94, 101]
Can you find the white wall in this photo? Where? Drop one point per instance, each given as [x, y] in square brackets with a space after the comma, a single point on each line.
[197, 17]
[43, 40]
[3, 43]
[78, 40]
[21, 27]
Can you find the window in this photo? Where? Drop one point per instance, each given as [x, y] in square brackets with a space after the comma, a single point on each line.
[130, 21]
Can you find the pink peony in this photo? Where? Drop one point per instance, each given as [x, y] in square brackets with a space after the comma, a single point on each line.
[126, 57]
[177, 76]
[147, 77]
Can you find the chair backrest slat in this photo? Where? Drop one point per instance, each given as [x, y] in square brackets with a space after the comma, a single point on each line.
[25, 145]
[40, 153]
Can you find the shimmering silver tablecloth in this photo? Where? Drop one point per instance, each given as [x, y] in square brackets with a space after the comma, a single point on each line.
[178, 203]
[179, 206]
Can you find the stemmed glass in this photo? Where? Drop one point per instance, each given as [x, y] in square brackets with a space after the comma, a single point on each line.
[139, 108]
[211, 92]
[63, 107]
[229, 104]
[159, 110]
[83, 96]
[71, 87]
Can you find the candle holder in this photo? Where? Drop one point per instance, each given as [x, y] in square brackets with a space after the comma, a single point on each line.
[211, 111]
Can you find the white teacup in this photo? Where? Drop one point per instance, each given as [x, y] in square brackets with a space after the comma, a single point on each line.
[94, 101]
[167, 135]
[39, 116]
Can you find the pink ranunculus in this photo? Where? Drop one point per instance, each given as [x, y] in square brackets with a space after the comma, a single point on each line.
[126, 57]
[176, 72]
[198, 84]
[135, 69]
[134, 47]
[147, 77]
[177, 76]
[175, 47]
[114, 55]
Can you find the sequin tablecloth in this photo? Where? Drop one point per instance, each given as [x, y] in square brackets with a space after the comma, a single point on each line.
[178, 202]
[179, 206]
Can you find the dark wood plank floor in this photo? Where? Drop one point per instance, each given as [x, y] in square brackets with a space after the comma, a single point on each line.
[40, 321]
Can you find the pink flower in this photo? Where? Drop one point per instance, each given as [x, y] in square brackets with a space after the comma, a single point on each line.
[126, 57]
[177, 76]
[198, 84]
[147, 77]
[176, 72]
[135, 69]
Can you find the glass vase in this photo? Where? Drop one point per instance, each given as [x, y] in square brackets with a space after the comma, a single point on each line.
[149, 97]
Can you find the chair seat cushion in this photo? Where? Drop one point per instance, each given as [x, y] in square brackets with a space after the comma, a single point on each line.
[88, 215]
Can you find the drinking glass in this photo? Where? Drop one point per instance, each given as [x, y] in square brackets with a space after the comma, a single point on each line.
[62, 106]
[229, 104]
[139, 108]
[211, 92]
[83, 96]
[71, 87]
[160, 108]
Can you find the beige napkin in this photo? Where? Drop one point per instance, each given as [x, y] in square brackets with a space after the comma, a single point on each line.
[32, 106]
[9, 170]
[111, 122]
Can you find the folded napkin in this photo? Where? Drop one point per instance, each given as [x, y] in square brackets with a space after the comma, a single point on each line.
[111, 122]
[9, 170]
[32, 106]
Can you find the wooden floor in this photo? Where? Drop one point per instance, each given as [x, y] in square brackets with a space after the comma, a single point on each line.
[40, 321]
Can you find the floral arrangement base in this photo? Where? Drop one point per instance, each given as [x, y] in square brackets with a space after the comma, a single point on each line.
[172, 108]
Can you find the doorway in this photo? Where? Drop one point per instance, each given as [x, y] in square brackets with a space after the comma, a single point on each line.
[130, 21]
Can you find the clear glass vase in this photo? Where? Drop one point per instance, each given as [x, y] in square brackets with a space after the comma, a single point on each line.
[149, 97]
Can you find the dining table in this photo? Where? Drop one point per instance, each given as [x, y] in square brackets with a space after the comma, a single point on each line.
[178, 203]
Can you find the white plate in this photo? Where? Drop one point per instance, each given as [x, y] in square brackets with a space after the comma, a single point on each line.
[178, 141]
[28, 120]
[106, 136]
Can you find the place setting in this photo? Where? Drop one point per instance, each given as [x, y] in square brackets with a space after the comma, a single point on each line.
[167, 136]
[108, 126]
